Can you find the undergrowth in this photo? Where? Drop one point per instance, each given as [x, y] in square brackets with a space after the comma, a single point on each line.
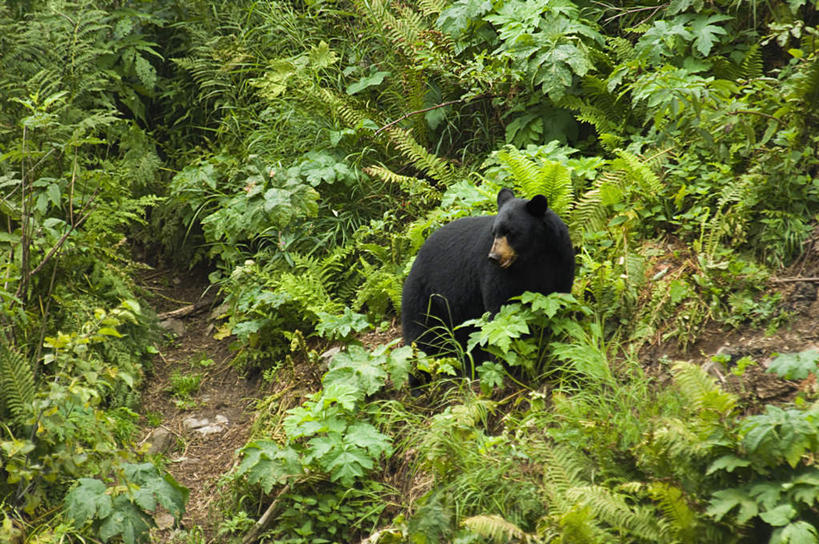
[303, 153]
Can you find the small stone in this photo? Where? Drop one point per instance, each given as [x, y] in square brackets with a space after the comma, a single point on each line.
[328, 355]
[161, 441]
[176, 326]
[163, 521]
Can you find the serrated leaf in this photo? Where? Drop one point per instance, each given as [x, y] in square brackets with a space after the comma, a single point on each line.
[267, 464]
[368, 437]
[725, 500]
[795, 366]
[87, 501]
[348, 465]
[800, 532]
[727, 463]
[779, 516]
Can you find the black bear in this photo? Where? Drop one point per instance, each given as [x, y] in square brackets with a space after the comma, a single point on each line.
[475, 264]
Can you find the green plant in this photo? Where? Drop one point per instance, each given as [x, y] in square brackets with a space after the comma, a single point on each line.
[184, 386]
[125, 510]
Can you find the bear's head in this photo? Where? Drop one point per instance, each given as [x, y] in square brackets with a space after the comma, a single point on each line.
[518, 229]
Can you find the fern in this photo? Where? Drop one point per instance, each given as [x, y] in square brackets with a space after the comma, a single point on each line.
[495, 528]
[701, 391]
[437, 168]
[611, 508]
[551, 179]
[16, 384]
[411, 185]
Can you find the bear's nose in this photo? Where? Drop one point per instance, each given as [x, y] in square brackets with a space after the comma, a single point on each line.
[494, 257]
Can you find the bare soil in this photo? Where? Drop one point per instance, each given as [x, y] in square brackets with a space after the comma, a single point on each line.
[196, 460]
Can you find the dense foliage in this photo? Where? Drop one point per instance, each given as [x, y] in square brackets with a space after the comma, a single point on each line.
[302, 152]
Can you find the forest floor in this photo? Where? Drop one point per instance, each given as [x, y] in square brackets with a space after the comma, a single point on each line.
[197, 433]
[200, 434]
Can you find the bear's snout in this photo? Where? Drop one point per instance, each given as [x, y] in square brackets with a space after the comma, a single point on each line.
[502, 253]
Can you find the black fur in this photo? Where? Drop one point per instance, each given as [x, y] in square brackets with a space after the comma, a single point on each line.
[453, 278]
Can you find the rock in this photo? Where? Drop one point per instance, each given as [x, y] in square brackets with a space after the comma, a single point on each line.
[161, 441]
[205, 426]
[176, 326]
[163, 521]
[328, 355]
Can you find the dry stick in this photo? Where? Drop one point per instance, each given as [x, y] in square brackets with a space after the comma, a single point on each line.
[266, 518]
[435, 107]
[61, 241]
[187, 310]
[794, 280]
[761, 114]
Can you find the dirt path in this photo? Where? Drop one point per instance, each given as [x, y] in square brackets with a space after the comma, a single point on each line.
[197, 408]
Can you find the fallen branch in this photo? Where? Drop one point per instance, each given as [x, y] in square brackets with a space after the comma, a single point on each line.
[262, 524]
[435, 107]
[190, 309]
[795, 280]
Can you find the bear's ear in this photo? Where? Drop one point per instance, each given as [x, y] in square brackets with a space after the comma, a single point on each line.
[537, 206]
[503, 196]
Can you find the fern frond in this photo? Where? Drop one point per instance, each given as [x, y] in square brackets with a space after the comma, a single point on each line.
[638, 172]
[752, 65]
[611, 508]
[701, 390]
[409, 184]
[550, 179]
[495, 528]
[681, 518]
[589, 214]
[432, 7]
[622, 49]
[16, 384]
[436, 167]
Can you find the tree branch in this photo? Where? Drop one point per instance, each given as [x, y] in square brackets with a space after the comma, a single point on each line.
[435, 107]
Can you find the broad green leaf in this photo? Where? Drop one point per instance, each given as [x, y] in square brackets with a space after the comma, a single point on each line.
[799, 532]
[374, 79]
[727, 463]
[88, 501]
[795, 366]
[725, 500]
[778, 516]
[368, 437]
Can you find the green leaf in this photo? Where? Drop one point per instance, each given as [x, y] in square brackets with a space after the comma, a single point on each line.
[727, 463]
[348, 465]
[126, 521]
[368, 437]
[795, 366]
[800, 532]
[88, 500]
[374, 79]
[725, 500]
[156, 488]
[110, 331]
[491, 375]
[779, 516]
[267, 464]
[705, 32]
[399, 365]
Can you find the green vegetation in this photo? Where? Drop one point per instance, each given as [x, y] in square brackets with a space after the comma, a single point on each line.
[302, 152]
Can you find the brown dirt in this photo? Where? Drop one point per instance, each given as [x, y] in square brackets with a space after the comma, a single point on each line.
[197, 461]
[799, 287]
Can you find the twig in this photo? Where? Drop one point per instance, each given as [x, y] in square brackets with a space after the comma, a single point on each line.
[264, 521]
[436, 106]
[190, 309]
[795, 280]
[58, 245]
[761, 114]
